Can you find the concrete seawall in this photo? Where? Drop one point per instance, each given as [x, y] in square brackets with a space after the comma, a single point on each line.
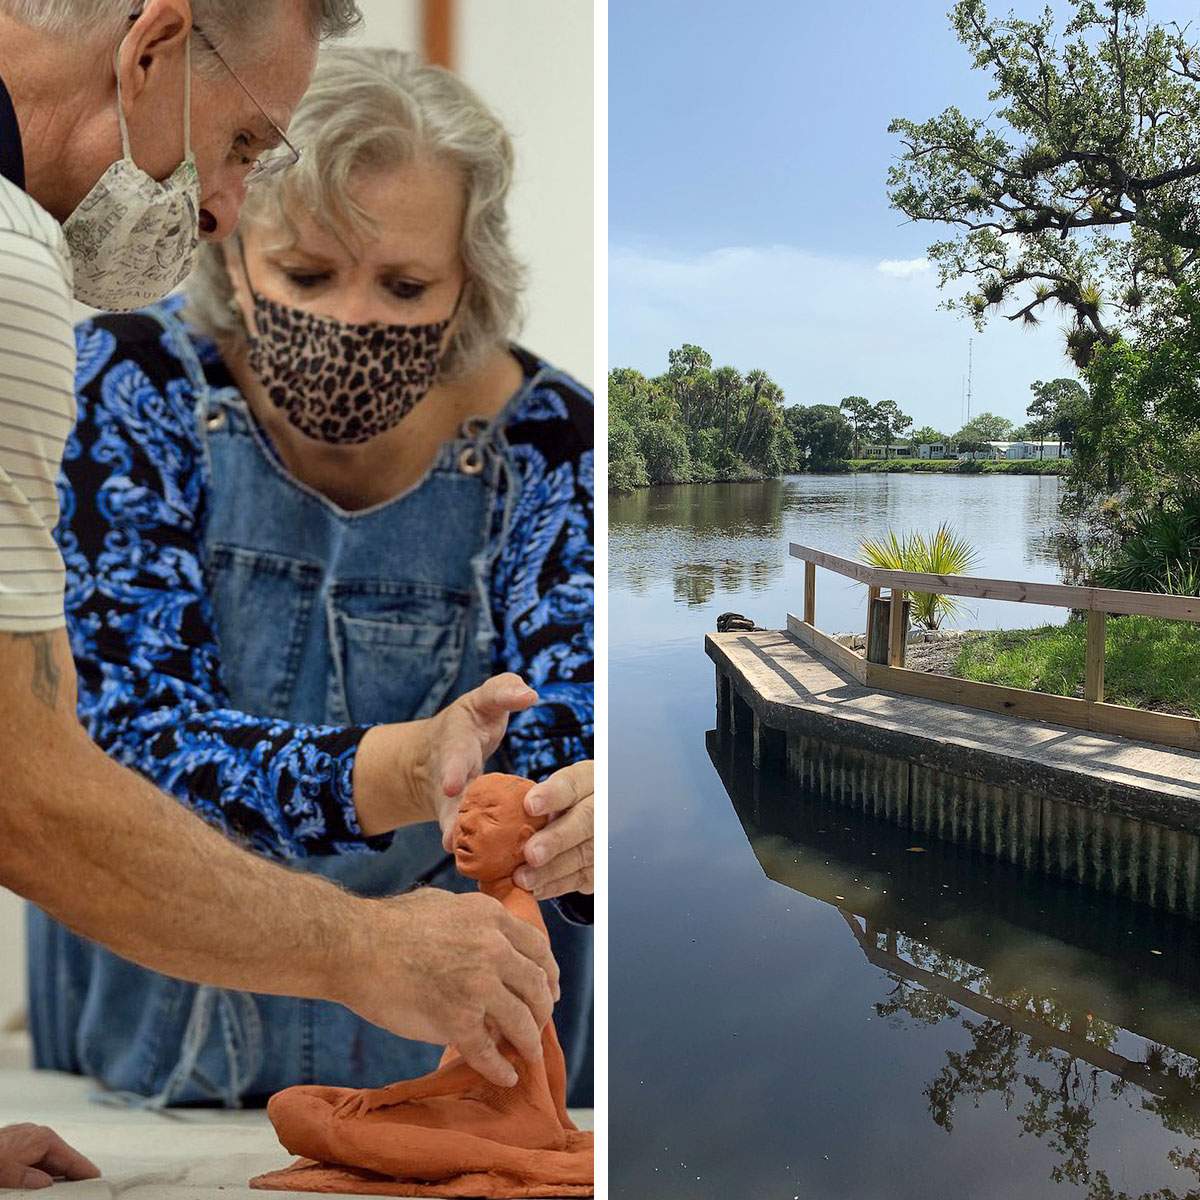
[1113, 814]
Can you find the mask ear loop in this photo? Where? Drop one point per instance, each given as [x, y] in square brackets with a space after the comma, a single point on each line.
[462, 291]
[125, 150]
[241, 245]
[187, 103]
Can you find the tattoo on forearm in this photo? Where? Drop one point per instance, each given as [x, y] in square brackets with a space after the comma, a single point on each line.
[46, 675]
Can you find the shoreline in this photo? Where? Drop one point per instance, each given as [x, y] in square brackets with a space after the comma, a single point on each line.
[896, 466]
[942, 466]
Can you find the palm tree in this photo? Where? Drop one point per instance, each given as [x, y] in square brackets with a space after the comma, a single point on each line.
[945, 553]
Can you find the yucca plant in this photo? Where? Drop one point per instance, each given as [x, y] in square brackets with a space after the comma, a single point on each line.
[943, 553]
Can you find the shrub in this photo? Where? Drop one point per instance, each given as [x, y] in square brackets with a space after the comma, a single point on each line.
[665, 449]
[1159, 551]
[626, 466]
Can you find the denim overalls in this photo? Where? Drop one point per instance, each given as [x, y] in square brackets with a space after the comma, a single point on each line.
[322, 617]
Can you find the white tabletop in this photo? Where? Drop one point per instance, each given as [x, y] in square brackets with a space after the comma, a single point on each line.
[181, 1154]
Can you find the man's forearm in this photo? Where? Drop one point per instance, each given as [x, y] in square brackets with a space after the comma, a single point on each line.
[113, 858]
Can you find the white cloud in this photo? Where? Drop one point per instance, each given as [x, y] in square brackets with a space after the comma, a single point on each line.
[824, 327]
[903, 268]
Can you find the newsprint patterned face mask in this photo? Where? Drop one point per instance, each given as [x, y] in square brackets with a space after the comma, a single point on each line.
[133, 240]
[339, 383]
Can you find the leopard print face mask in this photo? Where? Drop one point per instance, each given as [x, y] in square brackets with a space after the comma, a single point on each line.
[339, 383]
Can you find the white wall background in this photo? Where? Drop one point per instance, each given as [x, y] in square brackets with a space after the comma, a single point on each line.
[531, 61]
[12, 958]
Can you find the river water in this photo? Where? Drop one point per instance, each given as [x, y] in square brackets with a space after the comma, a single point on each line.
[806, 1003]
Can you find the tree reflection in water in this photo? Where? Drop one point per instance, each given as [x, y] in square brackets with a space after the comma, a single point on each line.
[1051, 1054]
[1074, 1049]
[1059, 1102]
[699, 536]
[696, 583]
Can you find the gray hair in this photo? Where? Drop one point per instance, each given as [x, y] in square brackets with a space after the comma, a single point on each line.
[370, 110]
[229, 22]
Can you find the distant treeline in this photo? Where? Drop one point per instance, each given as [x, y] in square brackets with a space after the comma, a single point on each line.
[699, 424]
[695, 424]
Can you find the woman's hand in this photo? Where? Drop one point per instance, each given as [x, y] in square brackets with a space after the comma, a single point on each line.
[417, 771]
[462, 737]
[561, 857]
[32, 1156]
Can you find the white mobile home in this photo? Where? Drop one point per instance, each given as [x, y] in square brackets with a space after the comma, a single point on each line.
[1046, 450]
[1026, 450]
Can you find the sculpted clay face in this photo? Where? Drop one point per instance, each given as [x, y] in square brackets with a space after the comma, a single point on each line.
[489, 839]
[450, 1133]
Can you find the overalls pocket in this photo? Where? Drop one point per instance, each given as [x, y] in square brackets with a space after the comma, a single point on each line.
[398, 648]
[261, 673]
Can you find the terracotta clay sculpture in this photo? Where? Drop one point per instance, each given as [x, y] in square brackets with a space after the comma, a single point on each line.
[451, 1133]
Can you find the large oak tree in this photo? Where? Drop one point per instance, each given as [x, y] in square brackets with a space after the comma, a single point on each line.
[1080, 191]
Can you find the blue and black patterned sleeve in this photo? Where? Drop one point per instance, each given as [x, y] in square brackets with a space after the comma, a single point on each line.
[140, 622]
[543, 587]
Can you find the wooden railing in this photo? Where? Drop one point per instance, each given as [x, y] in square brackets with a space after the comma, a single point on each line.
[1090, 712]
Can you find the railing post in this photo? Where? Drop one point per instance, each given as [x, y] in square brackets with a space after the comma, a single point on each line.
[876, 649]
[1093, 686]
[810, 593]
[896, 634]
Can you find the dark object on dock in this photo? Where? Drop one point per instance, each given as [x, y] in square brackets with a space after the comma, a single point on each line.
[732, 622]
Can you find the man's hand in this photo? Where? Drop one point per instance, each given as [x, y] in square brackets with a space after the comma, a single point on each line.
[561, 857]
[32, 1156]
[454, 970]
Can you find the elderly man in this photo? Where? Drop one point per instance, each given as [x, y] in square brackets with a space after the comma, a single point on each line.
[126, 132]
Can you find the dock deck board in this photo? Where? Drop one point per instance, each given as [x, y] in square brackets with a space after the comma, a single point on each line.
[792, 687]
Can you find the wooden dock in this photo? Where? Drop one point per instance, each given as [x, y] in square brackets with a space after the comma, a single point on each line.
[1106, 811]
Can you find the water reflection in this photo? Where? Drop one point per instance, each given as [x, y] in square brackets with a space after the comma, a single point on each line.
[704, 538]
[696, 583]
[704, 508]
[756, 1048]
[1075, 1006]
[726, 545]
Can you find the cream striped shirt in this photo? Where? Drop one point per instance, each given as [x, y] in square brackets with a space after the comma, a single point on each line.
[37, 408]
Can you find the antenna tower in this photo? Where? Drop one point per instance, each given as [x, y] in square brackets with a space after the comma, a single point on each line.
[970, 349]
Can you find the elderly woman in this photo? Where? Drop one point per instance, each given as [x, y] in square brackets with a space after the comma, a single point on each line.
[327, 496]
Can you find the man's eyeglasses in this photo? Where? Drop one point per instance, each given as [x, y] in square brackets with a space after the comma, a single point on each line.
[274, 162]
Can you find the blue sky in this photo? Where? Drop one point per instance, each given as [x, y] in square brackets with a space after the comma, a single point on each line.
[748, 153]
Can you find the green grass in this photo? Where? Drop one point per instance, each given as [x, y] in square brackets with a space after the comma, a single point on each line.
[1027, 466]
[1148, 662]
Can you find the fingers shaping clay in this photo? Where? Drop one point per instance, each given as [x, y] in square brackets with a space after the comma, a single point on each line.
[451, 1133]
